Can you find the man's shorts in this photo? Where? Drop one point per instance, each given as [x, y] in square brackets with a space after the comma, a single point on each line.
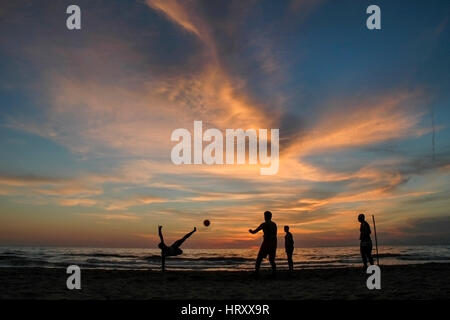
[268, 248]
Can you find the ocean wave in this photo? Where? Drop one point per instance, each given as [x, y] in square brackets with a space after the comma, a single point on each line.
[196, 259]
[21, 261]
[390, 255]
[424, 258]
[105, 255]
[211, 259]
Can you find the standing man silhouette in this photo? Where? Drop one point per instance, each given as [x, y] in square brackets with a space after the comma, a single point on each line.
[365, 241]
[269, 244]
[289, 247]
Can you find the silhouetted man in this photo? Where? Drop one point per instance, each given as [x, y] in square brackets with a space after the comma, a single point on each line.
[289, 247]
[269, 244]
[174, 249]
[365, 241]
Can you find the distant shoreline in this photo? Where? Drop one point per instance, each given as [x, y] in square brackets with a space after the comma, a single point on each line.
[281, 266]
[280, 237]
[404, 282]
[210, 260]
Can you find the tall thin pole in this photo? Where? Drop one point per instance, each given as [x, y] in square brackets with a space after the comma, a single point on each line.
[376, 239]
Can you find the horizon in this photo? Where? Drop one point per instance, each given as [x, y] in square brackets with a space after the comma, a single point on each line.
[86, 118]
[248, 248]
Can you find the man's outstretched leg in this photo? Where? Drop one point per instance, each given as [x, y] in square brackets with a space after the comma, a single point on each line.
[161, 238]
[161, 245]
[179, 242]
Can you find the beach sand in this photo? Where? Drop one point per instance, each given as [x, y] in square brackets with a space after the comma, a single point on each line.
[427, 281]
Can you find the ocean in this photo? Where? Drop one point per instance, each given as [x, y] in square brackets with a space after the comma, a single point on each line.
[210, 259]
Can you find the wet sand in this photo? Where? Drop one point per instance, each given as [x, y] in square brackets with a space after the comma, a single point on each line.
[427, 281]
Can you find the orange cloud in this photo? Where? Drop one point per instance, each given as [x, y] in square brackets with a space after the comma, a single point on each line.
[364, 123]
[77, 202]
[128, 217]
[136, 201]
[177, 13]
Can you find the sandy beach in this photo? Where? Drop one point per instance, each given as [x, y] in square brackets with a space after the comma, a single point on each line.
[427, 281]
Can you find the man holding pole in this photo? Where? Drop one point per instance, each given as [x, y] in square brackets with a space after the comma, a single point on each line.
[365, 241]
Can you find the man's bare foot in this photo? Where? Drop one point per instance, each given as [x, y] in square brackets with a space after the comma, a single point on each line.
[195, 229]
[159, 227]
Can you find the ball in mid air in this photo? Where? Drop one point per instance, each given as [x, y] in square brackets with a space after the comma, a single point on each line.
[206, 223]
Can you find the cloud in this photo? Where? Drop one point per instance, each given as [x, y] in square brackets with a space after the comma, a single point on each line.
[363, 123]
[83, 110]
[425, 230]
[135, 201]
[77, 202]
[151, 236]
[42, 185]
[23, 180]
[177, 13]
[118, 216]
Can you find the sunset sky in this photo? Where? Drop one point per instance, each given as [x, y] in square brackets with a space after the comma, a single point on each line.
[86, 118]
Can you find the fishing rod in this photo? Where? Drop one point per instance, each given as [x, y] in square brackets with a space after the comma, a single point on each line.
[376, 239]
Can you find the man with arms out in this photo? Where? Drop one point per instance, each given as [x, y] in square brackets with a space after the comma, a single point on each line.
[269, 244]
[289, 247]
[173, 250]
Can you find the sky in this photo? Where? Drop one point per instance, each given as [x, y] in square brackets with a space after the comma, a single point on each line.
[86, 118]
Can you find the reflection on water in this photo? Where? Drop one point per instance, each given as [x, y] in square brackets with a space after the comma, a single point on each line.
[211, 259]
